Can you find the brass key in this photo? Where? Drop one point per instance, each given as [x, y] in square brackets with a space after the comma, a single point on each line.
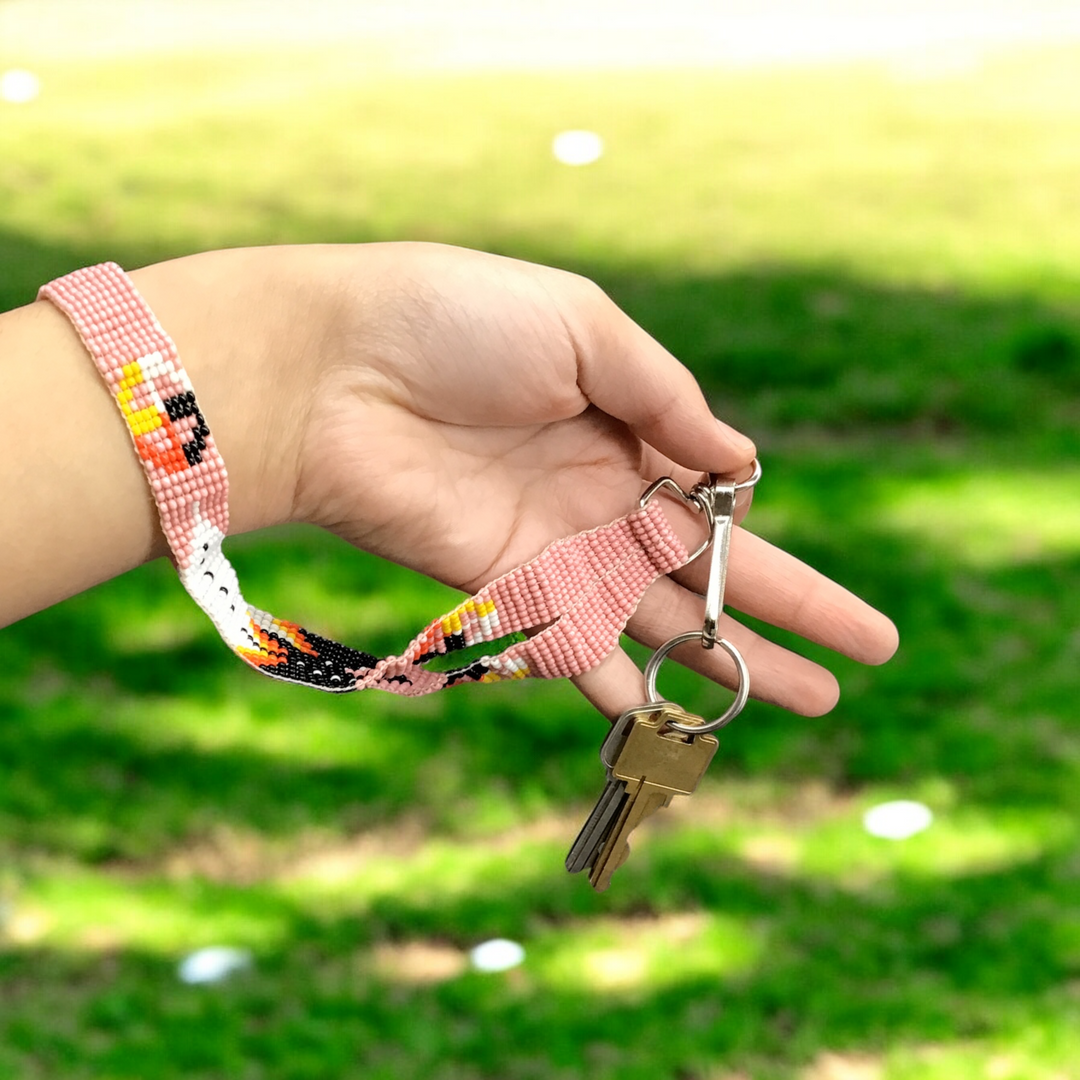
[656, 763]
[598, 824]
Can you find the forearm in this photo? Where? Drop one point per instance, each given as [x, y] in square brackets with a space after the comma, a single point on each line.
[76, 506]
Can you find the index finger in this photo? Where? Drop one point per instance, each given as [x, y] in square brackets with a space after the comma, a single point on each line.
[768, 583]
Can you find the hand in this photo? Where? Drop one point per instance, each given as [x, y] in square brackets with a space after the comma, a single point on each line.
[466, 410]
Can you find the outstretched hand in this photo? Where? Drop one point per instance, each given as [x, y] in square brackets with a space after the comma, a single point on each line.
[467, 409]
[453, 411]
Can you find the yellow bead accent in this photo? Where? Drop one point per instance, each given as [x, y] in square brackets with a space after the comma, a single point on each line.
[143, 421]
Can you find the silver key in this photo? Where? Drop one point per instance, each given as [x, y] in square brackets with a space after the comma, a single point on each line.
[597, 825]
[608, 807]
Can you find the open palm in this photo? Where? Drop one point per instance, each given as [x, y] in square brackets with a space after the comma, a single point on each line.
[471, 409]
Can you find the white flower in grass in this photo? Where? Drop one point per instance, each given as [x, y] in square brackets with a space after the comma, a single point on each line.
[212, 965]
[499, 954]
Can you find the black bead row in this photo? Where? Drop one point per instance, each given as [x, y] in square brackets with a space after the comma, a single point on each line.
[183, 405]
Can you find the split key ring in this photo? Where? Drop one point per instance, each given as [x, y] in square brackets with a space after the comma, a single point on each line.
[741, 693]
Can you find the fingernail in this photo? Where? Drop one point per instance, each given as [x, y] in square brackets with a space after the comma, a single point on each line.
[737, 440]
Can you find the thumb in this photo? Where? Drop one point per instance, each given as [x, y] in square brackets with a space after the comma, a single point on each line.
[629, 375]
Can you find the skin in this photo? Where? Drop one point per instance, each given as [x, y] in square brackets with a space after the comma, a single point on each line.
[447, 409]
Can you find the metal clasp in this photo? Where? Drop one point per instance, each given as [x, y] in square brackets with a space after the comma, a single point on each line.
[720, 500]
[716, 499]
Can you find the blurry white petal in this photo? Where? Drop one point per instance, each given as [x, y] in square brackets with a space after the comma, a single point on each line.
[212, 964]
[19, 86]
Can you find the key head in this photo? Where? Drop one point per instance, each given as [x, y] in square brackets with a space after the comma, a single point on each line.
[616, 737]
[655, 763]
[662, 758]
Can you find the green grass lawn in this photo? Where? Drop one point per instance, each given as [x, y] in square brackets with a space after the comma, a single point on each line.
[877, 278]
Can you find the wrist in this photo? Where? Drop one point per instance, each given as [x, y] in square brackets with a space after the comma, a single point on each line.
[238, 323]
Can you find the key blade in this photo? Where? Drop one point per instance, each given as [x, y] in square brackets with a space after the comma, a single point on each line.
[597, 825]
[642, 801]
[656, 763]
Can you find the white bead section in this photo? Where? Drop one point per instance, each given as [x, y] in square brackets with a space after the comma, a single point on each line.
[507, 666]
[212, 583]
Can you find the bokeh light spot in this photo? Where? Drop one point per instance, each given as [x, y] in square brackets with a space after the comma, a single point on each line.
[19, 86]
[897, 820]
[577, 147]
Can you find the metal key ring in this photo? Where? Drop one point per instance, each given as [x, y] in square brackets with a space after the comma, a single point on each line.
[741, 694]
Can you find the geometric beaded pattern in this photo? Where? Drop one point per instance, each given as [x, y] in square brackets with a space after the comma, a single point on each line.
[576, 595]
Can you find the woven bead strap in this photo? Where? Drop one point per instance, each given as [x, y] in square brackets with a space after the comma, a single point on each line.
[581, 590]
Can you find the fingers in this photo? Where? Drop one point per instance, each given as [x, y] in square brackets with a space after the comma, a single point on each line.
[629, 375]
[689, 524]
[777, 675]
[613, 686]
[766, 583]
[771, 585]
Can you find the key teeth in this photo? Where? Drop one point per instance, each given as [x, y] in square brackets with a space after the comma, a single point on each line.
[601, 882]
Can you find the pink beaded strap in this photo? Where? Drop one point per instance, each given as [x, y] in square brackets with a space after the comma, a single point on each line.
[586, 586]
[576, 595]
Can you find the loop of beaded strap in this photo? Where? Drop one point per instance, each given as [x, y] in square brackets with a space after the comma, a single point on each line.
[585, 586]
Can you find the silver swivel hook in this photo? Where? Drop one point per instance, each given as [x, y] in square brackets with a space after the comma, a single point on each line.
[716, 499]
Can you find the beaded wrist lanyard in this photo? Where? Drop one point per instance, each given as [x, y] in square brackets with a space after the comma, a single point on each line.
[585, 586]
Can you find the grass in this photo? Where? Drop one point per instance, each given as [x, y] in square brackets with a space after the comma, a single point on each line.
[874, 276]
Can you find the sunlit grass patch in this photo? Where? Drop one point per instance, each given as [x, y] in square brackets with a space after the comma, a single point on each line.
[636, 955]
[748, 167]
[991, 517]
[960, 841]
[1033, 1049]
[70, 909]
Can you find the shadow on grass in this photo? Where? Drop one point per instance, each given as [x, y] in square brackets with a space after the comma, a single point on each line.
[136, 748]
[920, 962]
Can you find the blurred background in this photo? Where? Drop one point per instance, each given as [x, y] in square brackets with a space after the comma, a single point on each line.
[859, 224]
